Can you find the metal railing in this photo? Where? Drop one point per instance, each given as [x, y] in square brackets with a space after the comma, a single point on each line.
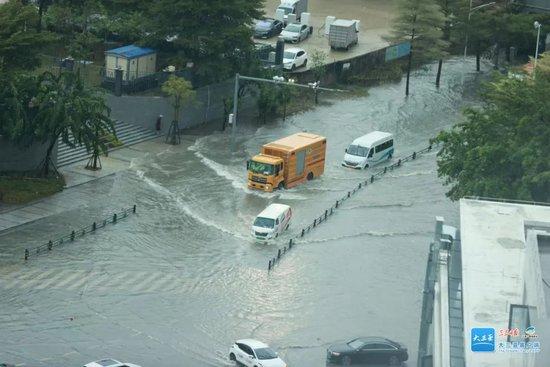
[75, 234]
[324, 217]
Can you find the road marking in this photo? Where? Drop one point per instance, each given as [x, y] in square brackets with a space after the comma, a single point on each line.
[50, 281]
[70, 278]
[80, 282]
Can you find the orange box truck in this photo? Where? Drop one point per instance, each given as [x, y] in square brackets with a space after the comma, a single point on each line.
[287, 162]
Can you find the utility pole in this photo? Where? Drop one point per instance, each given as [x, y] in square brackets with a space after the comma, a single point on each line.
[537, 27]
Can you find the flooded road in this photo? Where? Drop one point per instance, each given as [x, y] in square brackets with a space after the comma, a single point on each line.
[180, 281]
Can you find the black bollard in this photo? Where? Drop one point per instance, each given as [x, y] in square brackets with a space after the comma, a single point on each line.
[279, 254]
[360, 185]
[399, 163]
[331, 211]
[114, 218]
[414, 155]
[290, 244]
[348, 194]
[94, 226]
[336, 203]
[429, 147]
[303, 231]
[371, 179]
[326, 214]
[72, 235]
[314, 222]
[26, 254]
[134, 208]
[269, 265]
[50, 245]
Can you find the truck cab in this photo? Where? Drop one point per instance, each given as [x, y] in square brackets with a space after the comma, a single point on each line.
[265, 172]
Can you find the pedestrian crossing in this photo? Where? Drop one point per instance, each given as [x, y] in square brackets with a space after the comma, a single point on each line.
[92, 280]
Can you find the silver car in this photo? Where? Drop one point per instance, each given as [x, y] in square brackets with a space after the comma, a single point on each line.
[296, 32]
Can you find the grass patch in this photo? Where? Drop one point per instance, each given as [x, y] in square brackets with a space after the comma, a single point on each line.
[22, 189]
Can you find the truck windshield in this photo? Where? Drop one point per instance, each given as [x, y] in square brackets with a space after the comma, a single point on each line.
[358, 150]
[264, 222]
[262, 168]
[286, 9]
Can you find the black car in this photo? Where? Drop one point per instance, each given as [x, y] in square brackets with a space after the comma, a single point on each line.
[368, 350]
[267, 28]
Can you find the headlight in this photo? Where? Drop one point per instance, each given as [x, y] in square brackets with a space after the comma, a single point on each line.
[335, 354]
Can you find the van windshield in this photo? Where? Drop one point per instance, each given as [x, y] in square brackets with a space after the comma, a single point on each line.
[261, 168]
[358, 150]
[264, 222]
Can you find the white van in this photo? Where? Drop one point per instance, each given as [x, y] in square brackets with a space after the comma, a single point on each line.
[369, 150]
[271, 222]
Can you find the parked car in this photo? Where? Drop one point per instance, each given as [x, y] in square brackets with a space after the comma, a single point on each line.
[296, 32]
[371, 350]
[109, 362]
[267, 28]
[294, 58]
[253, 353]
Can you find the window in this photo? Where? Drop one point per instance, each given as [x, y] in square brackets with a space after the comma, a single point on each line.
[371, 153]
[277, 221]
[386, 145]
[245, 348]
[519, 319]
[356, 344]
[301, 53]
[264, 223]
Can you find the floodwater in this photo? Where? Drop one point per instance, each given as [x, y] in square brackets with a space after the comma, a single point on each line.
[179, 282]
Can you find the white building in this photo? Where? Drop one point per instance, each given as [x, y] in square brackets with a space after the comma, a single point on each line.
[494, 274]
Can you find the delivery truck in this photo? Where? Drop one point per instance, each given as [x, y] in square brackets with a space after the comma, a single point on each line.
[342, 34]
[296, 7]
[287, 162]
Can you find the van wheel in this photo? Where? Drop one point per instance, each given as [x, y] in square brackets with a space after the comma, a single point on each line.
[232, 357]
[366, 166]
[281, 185]
[389, 156]
[276, 235]
[310, 176]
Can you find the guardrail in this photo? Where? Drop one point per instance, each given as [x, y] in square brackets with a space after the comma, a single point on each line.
[324, 217]
[509, 201]
[47, 247]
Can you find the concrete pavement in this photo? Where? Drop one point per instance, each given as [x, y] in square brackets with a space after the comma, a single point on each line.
[75, 193]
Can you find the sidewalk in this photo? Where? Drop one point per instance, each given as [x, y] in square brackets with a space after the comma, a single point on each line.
[73, 196]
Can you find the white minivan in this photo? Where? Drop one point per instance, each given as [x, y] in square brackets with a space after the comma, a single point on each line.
[271, 222]
[369, 150]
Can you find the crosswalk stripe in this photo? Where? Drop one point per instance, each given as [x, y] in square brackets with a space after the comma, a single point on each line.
[146, 284]
[69, 278]
[28, 283]
[80, 282]
[135, 285]
[50, 281]
[17, 277]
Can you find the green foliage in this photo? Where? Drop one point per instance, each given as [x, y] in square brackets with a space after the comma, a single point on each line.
[181, 92]
[21, 189]
[214, 34]
[502, 149]
[20, 43]
[420, 22]
[318, 63]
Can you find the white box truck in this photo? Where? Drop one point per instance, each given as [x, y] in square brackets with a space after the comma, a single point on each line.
[342, 34]
[296, 7]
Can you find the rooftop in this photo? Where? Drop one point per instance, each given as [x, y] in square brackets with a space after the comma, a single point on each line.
[500, 267]
[130, 51]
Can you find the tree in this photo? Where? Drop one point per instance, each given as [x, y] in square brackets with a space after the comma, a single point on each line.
[318, 59]
[419, 22]
[181, 92]
[20, 44]
[501, 150]
[64, 108]
[210, 34]
[450, 10]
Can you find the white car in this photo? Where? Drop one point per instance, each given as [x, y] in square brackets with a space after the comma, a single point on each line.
[110, 363]
[271, 222]
[294, 58]
[295, 32]
[253, 353]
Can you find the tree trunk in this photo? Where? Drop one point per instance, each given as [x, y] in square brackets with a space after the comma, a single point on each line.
[497, 57]
[438, 77]
[41, 6]
[409, 65]
[47, 160]
[478, 61]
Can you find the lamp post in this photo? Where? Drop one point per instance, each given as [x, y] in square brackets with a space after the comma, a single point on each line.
[537, 27]
[470, 12]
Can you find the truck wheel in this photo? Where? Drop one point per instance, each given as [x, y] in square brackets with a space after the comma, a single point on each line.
[310, 176]
[305, 63]
[281, 185]
[293, 67]
[232, 357]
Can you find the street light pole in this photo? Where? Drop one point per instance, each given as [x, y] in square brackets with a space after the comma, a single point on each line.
[537, 27]
[470, 11]
[235, 101]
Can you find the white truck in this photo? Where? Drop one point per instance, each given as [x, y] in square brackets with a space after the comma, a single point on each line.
[296, 7]
[342, 34]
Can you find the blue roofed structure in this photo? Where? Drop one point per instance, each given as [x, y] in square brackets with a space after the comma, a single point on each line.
[130, 51]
